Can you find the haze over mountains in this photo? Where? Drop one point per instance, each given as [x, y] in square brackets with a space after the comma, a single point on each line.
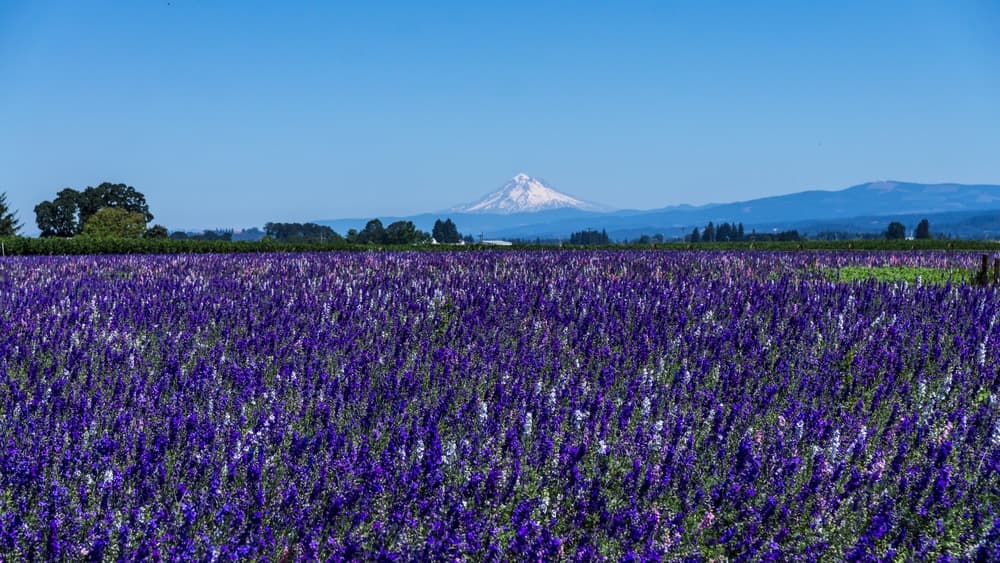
[528, 208]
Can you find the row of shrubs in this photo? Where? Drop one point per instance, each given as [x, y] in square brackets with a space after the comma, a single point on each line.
[83, 245]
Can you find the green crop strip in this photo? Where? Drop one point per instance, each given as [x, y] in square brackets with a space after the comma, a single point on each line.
[894, 274]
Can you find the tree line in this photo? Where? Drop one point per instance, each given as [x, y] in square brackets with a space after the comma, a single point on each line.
[734, 232]
[119, 211]
[590, 237]
[404, 232]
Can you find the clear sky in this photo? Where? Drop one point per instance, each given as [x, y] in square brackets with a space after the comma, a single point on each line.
[231, 114]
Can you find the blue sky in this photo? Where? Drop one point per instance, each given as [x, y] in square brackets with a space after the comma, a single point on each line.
[231, 114]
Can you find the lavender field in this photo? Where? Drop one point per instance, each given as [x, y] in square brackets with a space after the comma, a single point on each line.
[617, 405]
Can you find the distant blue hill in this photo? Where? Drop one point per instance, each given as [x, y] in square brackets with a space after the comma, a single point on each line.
[954, 209]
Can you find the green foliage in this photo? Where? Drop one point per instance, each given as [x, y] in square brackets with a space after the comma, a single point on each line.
[986, 275]
[9, 225]
[373, 233]
[895, 231]
[301, 232]
[58, 218]
[923, 230]
[156, 231]
[398, 233]
[589, 237]
[68, 213]
[119, 196]
[404, 232]
[723, 232]
[115, 222]
[445, 232]
[207, 234]
[892, 274]
[708, 235]
[645, 239]
[734, 233]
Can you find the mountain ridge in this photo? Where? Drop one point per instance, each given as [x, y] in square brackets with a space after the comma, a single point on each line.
[863, 208]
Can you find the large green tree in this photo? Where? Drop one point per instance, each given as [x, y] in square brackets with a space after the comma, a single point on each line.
[923, 230]
[115, 222]
[708, 235]
[895, 231]
[58, 218]
[404, 232]
[9, 224]
[373, 233]
[445, 232]
[119, 196]
[66, 215]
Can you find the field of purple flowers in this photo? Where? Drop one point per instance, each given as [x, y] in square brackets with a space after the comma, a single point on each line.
[495, 406]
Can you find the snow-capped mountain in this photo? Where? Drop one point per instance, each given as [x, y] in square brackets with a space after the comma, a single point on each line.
[524, 194]
[968, 211]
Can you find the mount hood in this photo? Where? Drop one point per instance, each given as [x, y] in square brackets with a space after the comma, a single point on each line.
[524, 194]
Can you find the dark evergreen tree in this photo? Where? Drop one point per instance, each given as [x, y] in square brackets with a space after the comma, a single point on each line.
[708, 235]
[445, 232]
[9, 225]
[724, 232]
[895, 231]
[923, 230]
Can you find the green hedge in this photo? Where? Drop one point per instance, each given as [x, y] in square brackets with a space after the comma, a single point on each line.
[82, 245]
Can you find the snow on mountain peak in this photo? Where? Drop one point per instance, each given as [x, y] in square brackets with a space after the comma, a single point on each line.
[524, 194]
